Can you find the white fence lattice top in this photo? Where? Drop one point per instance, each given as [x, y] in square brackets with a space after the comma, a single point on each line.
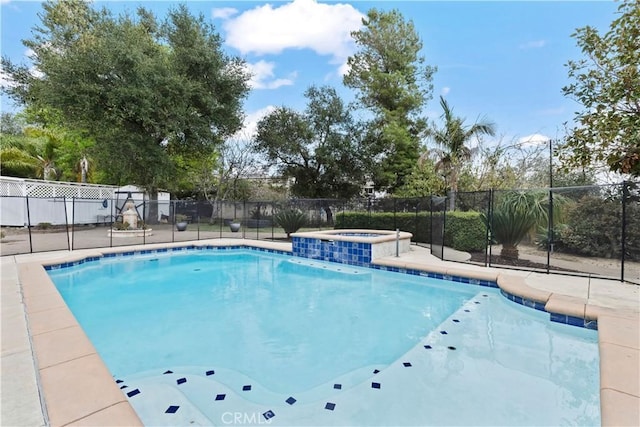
[33, 188]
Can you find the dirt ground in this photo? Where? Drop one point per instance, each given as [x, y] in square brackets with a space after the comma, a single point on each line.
[575, 263]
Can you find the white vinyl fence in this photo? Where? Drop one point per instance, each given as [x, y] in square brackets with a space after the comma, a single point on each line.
[29, 201]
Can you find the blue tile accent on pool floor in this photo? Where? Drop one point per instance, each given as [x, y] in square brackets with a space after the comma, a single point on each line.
[338, 403]
[268, 415]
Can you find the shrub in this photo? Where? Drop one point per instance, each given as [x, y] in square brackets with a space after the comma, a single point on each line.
[465, 231]
[594, 228]
[291, 220]
[121, 225]
[515, 215]
[44, 225]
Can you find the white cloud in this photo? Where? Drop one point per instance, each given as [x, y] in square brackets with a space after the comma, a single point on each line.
[250, 125]
[5, 80]
[534, 139]
[35, 72]
[223, 12]
[262, 76]
[302, 24]
[534, 44]
[445, 91]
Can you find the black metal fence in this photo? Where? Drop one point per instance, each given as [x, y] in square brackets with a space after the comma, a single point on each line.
[592, 231]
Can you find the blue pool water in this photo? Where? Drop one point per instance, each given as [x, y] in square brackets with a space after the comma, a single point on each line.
[240, 331]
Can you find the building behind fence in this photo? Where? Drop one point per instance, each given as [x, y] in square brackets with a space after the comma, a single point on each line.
[599, 225]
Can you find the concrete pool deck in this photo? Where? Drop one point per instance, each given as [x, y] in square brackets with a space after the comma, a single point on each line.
[46, 358]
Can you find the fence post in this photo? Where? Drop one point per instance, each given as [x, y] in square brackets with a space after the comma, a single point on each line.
[29, 225]
[490, 222]
[550, 231]
[431, 223]
[395, 208]
[66, 220]
[198, 203]
[487, 238]
[625, 196]
[172, 208]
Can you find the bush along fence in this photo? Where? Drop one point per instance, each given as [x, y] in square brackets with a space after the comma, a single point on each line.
[591, 230]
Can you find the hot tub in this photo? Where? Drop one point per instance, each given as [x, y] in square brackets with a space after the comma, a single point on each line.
[354, 247]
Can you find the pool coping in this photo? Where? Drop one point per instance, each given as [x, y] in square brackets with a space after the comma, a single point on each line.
[66, 361]
[384, 235]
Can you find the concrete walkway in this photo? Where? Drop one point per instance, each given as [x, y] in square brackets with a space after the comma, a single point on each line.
[616, 305]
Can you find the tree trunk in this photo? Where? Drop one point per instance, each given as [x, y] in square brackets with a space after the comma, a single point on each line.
[509, 251]
[327, 210]
[84, 169]
[152, 215]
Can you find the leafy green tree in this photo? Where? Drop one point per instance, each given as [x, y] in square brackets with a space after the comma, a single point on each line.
[423, 181]
[45, 153]
[145, 91]
[607, 85]
[15, 159]
[319, 148]
[452, 139]
[393, 82]
[11, 124]
[30, 155]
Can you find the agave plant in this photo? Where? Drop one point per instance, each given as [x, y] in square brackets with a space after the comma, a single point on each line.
[516, 214]
[291, 220]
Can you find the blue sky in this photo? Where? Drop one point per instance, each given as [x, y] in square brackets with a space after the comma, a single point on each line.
[504, 61]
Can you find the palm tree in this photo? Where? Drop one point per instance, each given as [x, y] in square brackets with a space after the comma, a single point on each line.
[453, 138]
[45, 152]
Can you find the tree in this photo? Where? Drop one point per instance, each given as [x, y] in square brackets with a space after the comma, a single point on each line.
[607, 85]
[11, 124]
[145, 91]
[452, 138]
[393, 82]
[423, 181]
[31, 154]
[220, 174]
[319, 148]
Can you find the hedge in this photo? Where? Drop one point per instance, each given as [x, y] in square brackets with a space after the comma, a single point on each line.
[593, 227]
[464, 231]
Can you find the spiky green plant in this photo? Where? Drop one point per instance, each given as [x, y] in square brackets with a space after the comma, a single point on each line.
[516, 214]
[291, 220]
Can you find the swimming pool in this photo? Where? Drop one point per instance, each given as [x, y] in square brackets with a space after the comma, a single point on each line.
[241, 332]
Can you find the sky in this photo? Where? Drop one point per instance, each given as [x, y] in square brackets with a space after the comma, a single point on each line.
[502, 61]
